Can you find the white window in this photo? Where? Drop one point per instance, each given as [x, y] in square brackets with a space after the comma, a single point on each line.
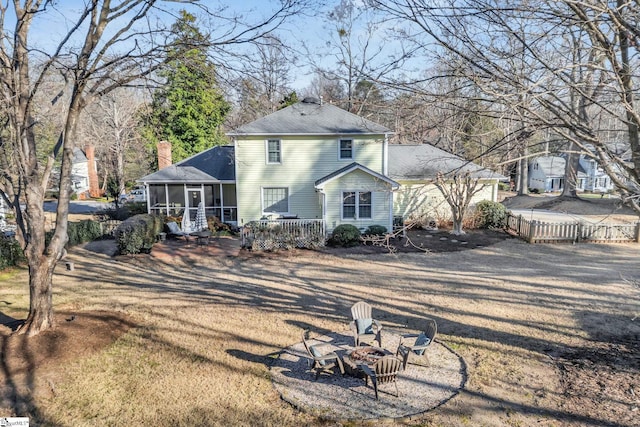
[275, 200]
[356, 205]
[346, 149]
[273, 151]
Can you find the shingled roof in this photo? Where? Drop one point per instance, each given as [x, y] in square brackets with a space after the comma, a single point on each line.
[310, 117]
[213, 165]
[425, 161]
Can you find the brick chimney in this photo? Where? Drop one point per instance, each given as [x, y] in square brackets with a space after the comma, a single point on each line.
[164, 154]
[94, 186]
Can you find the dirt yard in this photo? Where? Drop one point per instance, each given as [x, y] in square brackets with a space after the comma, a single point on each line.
[549, 333]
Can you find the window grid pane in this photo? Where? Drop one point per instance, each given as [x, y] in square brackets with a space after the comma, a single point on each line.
[346, 149]
[273, 150]
[364, 205]
[275, 200]
[348, 204]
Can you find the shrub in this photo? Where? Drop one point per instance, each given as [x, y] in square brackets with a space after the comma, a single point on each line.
[345, 235]
[79, 232]
[138, 233]
[491, 214]
[504, 186]
[375, 230]
[10, 252]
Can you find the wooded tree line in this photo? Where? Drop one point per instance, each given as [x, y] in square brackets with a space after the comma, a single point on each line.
[495, 82]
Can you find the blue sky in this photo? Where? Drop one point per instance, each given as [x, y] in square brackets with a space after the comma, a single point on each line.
[311, 29]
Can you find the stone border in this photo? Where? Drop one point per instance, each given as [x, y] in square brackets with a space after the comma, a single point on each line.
[425, 384]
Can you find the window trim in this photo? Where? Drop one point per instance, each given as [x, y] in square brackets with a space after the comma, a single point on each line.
[267, 151]
[340, 149]
[357, 216]
[262, 200]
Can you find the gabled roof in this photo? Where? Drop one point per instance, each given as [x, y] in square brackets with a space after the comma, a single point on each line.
[425, 161]
[310, 117]
[213, 165]
[79, 156]
[350, 168]
[551, 165]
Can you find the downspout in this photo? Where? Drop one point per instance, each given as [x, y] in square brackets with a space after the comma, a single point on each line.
[385, 155]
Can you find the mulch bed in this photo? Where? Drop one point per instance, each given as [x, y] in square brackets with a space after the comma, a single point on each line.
[435, 241]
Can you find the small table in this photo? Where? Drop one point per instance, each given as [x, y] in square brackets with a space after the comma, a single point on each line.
[202, 237]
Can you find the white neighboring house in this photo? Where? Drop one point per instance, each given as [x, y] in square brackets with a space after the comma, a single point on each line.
[547, 174]
[3, 214]
[80, 174]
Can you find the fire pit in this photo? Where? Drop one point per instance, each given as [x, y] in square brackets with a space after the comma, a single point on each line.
[367, 355]
[362, 355]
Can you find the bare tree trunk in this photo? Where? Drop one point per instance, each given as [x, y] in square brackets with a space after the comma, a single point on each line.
[571, 173]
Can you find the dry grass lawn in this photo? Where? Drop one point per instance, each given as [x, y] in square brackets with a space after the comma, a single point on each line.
[549, 334]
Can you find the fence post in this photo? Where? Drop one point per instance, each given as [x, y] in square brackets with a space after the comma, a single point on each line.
[532, 231]
[519, 226]
[637, 232]
[578, 237]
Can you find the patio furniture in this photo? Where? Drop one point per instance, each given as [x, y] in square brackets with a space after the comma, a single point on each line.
[174, 230]
[384, 371]
[322, 361]
[202, 237]
[364, 327]
[417, 343]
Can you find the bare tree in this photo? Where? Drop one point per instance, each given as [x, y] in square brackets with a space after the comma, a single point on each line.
[113, 120]
[458, 189]
[579, 57]
[109, 44]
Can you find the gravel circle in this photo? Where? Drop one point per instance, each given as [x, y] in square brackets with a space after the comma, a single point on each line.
[426, 383]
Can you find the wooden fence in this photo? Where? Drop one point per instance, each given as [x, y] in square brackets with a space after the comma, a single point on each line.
[283, 234]
[545, 232]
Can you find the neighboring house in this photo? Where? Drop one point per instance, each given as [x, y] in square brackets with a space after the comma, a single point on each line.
[547, 174]
[306, 161]
[80, 174]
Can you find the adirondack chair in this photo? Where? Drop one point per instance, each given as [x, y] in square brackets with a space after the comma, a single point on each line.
[174, 230]
[364, 327]
[417, 343]
[322, 361]
[384, 371]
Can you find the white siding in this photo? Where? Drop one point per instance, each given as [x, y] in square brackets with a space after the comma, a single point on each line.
[421, 201]
[304, 161]
[358, 181]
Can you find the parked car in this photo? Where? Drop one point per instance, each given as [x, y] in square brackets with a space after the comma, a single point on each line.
[138, 194]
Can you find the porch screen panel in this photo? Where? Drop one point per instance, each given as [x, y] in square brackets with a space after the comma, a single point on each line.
[157, 198]
[229, 194]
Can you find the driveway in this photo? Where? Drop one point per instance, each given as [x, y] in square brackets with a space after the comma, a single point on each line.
[80, 206]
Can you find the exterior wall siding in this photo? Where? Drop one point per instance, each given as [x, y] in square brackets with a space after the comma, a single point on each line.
[419, 201]
[303, 161]
[358, 181]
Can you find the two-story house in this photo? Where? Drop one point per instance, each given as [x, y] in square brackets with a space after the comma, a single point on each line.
[314, 160]
[547, 174]
[307, 161]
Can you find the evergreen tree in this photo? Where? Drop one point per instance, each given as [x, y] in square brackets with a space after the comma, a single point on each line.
[189, 109]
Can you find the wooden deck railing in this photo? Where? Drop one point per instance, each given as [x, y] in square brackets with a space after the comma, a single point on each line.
[283, 234]
[545, 232]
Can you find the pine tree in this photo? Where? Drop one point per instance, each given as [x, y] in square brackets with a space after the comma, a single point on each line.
[189, 109]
